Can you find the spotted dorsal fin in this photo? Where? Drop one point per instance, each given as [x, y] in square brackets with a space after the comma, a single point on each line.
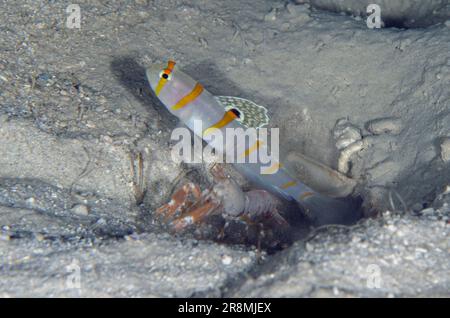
[251, 114]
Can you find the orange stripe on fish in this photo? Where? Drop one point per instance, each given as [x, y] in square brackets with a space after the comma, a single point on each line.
[161, 83]
[256, 146]
[196, 91]
[163, 80]
[304, 195]
[170, 66]
[227, 118]
[288, 184]
[272, 169]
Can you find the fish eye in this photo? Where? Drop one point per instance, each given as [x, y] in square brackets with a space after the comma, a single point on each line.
[166, 76]
[236, 112]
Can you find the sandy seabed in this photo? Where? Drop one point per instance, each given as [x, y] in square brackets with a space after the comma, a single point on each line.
[76, 112]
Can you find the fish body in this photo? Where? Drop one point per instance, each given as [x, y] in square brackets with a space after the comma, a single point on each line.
[188, 100]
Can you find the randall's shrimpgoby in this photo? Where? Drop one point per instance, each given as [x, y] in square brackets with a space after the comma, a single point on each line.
[185, 98]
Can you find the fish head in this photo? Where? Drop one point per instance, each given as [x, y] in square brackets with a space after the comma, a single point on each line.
[169, 83]
[154, 74]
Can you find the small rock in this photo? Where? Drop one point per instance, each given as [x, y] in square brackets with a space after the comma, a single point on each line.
[102, 100]
[40, 25]
[227, 260]
[290, 7]
[427, 211]
[107, 139]
[447, 23]
[391, 228]
[446, 190]
[3, 118]
[271, 16]
[445, 150]
[4, 78]
[417, 207]
[203, 42]
[285, 26]
[380, 126]
[39, 237]
[90, 124]
[421, 250]
[335, 291]
[80, 209]
[298, 9]
[101, 221]
[44, 77]
[31, 202]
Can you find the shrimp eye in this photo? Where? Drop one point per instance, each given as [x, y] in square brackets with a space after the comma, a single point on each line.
[165, 75]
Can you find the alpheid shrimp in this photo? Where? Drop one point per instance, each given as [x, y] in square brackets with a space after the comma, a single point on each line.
[189, 206]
